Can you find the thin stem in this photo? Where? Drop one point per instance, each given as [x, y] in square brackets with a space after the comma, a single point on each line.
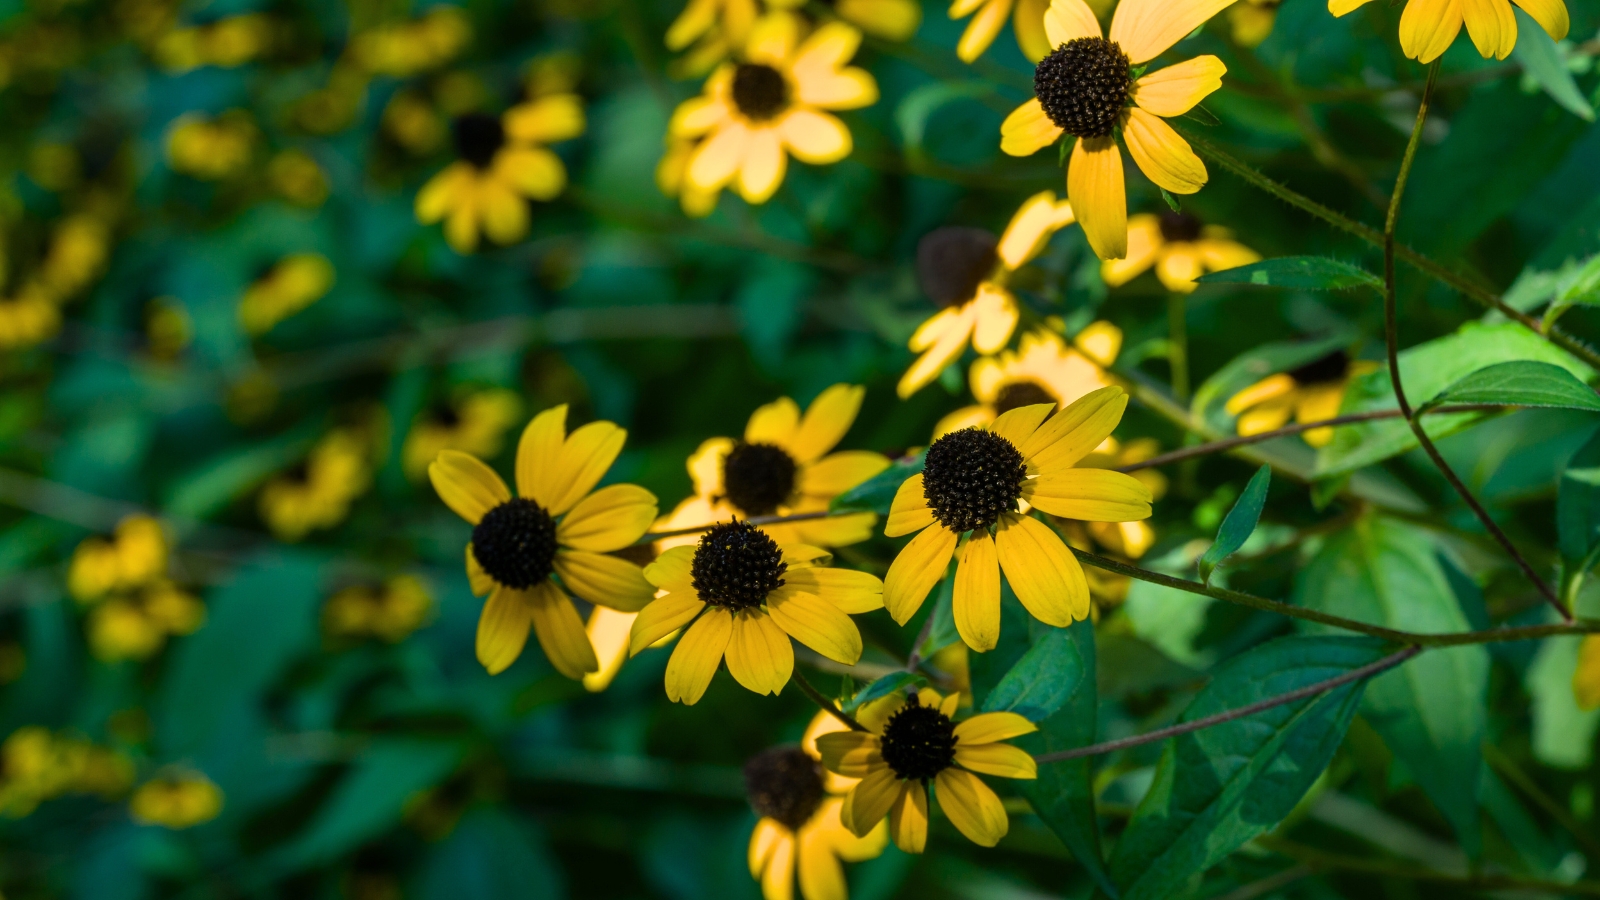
[1178, 345]
[827, 705]
[753, 520]
[1524, 782]
[1161, 734]
[915, 659]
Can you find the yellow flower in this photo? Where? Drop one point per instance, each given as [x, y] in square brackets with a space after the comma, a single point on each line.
[1180, 248]
[1126, 541]
[132, 555]
[965, 270]
[696, 203]
[753, 114]
[28, 318]
[1429, 27]
[891, 20]
[919, 743]
[167, 328]
[293, 284]
[782, 467]
[755, 596]
[317, 493]
[78, 252]
[298, 178]
[211, 149]
[715, 27]
[799, 830]
[227, 43]
[559, 526]
[501, 164]
[36, 765]
[413, 123]
[389, 611]
[1310, 393]
[973, 480]
[475, 424]
[176, 800]
[137, 626]
[1043, 369]
[408, 48]
[1586, 677]
[1252, 21]
[1027, 22]
[1091, 93]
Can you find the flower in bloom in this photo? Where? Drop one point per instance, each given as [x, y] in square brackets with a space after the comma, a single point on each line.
[965, 271]
[501, 163]
[1310, 393]
[389, 611]
[36, 765]
[408, 48]
[1429, 27]
[696, 203]
[318, 492]
[294, 283]
[965, 505]
[178, 799]
[714, 27]
[741, 596]
[133, 554]
[988, 16]
[137, 625]
[1126, 541]
[892, 20]
[28, 317]
[226, 43]
[920, 742]
[476, 424]
[212, 149]
[1087, 89]
[776, 101]
[800, 831]
[558, 526]
[1043, 369]
[1179, 247]
[1251, 21]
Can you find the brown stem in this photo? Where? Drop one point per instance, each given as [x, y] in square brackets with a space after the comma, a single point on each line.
[753, 520]
[1161, 734]
[827, 705]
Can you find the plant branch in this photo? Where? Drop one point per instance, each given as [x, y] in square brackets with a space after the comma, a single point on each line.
[1161, 734]
[753, 520]
[827, 705]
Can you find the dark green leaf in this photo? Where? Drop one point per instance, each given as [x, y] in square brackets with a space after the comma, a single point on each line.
[1238, 525]
[1043, 680]
[490, 856]
[1219, 787]
[1306, 272]
[1520, 383]
[1543, 61]
[877, 493]
[1578, 507]
[883, 687]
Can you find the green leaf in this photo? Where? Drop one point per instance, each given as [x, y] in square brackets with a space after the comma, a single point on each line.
[877, 493]
[1427, 370]
[490, 856]
[1431, 712]
[1520, 383]
[1563, 733]
[1238, 525]
[1172, 202]
[1316, 273]
[1542, 61]
[1217, 788]
[217, 483]
[1578, 512]
[1043, 680]
[883, 687]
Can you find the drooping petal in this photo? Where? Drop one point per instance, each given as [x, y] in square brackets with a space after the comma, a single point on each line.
[850, 88]
[560, 631]
[976, 603]
[444, 192]
[705, 465]
[851, 591]
[466, 485]
[816, 623]
[1092, 495]
[604, 580]
[763, 166]
[1551, 15]
[908, 819]
[1030, 228]
[764, 839]
[1068, 20]
[672, 569]
[952, 340]
[839, 472]
[585, 457]
[825, 422]
[759, 654]
[718, 157]
[697, 18]
[973, 808]
[995, 314]
[662, 617]
[1146, 28]
[828, 48]
[987, 728]
[1071, 434]
[774, 423]
[1270, 388]
[608, 519]
[909, 510]
[1161, 154]
[698, 115]
[505, 213]
[1027, 23]
[1095, 188]
[773, 40]
[697, 655]
[539, 454]
[814, 137]
[1144, 243]
[997, 759]
[503, 629]
[892, 20]
[1343, 7]
[461, 228]
[821, 874]
[1175, 90]
[477, 578]
[1017, 425]
[981, 31]
[1491, 25]
[853, 754]
[1028, 129]
[920, 565]
[1429, 27]
[777, 882]
[1046, 577]
[870, 800]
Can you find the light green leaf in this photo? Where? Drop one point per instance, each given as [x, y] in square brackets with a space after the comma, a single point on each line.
[490, 856]
[883, 687]
[1563, 733]
[1578, 514]
[1542, 61]
[1238, 524]
[1306, 272]
[1520, 383]
[876, 494]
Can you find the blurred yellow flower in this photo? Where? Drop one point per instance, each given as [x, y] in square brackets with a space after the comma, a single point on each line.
[226, 43]
[1309, 393]
[389, 611]
[1179, 247]
[413, 123]
[167, 328]
[79, 247]
[891, 20]
[715, 27]
[965, 270]
[211, 149]
[137, 625]
[409, 48]
[1043, 369]
[317, 493]
[294, 283]
[1586, 677]
[28, 317]
[297, 178]
[988, 16]
[134, 554]
[475, 423]
[1429, 27]
[54, 166]
[696, 202]
[1251, 21]
[178, 799]
[36, 765]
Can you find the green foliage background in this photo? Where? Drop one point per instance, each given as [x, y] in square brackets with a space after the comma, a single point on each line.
[677, 329]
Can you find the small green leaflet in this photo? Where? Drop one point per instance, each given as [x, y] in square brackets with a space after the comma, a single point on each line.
[1312, 272]
[1239, 523]
[1172, 202]
[883, 687]
[1520, 383]
[1543, 64]
[877, 493]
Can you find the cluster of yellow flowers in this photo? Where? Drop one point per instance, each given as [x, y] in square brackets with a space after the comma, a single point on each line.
[291, 285]
[36, 766]
[389, 611]
[79, 247]
[317, 493]
[133, 605]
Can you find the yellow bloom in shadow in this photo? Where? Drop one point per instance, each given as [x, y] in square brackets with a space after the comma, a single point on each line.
[919, 742]
[134, 554]
[293, 284]
[1429, 27]
[1310, 393]
[965, 270]
[409, 48]
[988, 16]
[78, 252]
[317, 493]
[297, 178]
[389, 611]
[1586, 677]
[136, 626]
[713, 28]
[1179, 247]
[167, 328]
[800, 832]
[475, 424]
[1251, 21]
[28, 317]
[226, 43]
[1043, 369]
[975, 480]
[211, 149]
[891, 20]
[558, 526]
[773, 103]
[1086, 65]
[36, 765]
[178, 799]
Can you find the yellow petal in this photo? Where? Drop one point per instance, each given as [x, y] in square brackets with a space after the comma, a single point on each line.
[1429, 27]
[997, 759]
[995, 314]
[560, 631]
[1044, 574]
[986, 728]
[477, 578]
[971, 806]
[816, 623]
[545, 120]
[461, 229]
[777, 882]
[821, 874]
[533, 171]
[538, 453]
[672, 569]
[950, 343]
[763, 839]
[443, 192]
[1161, 154]
[608, 519]
[503, 629]
[803, 556]
[775, 423]
[850, 88]
[920, 565]
[1094, 186]
[1017, 425]
[760, 656]
[960, 9]
[1146, 28]
[1092, 495]
[1069, 435]
[1343, 7]
[908, 819]
[976, 604]
[892, 20]
[870, 800]
[1270, 388]
[826, 421]
[1027, 23]
[981, 31]
[1175, 90]
[1491, 25]
[829, 47]
[466, 485]
[1068, 20]
[836, 531]
[697, 18]
[604, 579]
[718, 157]
[662, 617]
[697, 655]
[1039, 217]
[1179, 267]
[1027, 130]
[698, 115]
[1550, 14]
[909, 511]
[851, 591]
[763, 166]
[1144, 243]
[608, 631]
[585, 457]
[1586, 677]
[853, 754]
[505, 213]
[839, 472]
[773, 39]
[814, 137]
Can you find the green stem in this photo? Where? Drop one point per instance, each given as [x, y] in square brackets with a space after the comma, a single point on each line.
[824, 703]
[1178, 345]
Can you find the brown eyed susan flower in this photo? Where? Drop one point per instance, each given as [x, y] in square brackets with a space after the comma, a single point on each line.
[800, 831]
[1043, 369]
[741, 596]
[558, 526]
[1310, 393]
[965, 270]
[178, 799]
[291, 285]
[973, 481]
[475, 423]
[777, 101]
[891, 20]
[1429, 27]
[919, 743]
[132, 555]
[1179, 247]
[1088, 88]
[988, 16]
